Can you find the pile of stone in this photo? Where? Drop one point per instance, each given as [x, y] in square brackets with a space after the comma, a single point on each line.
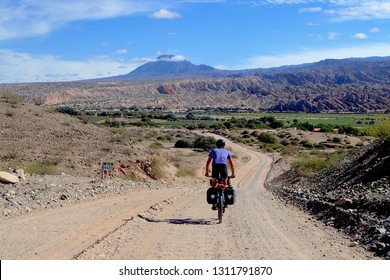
[354, 197]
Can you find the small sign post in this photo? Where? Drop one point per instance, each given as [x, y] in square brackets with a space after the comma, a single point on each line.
[106, 166]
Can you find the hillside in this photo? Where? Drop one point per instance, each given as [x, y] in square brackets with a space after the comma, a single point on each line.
[67, 154]
[350, 85]
[353, 197]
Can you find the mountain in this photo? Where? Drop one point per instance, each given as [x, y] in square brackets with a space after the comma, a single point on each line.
[345, 85]
[329, 71]
[168, 66]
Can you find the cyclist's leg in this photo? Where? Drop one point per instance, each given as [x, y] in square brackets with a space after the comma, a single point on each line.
[215, 174]
[224, 174]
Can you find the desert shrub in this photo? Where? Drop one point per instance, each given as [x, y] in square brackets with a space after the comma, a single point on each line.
[204, 143]
[113, 123]
[285, 142]
[157, 168]
[183, 143]
[348, 129]
[336, 140]
[165, 137]
[41, 168]
[325, 127]
[271, 147]
[68, 110]
[265, 137]
[276, 124]
[304, 126]
[307, 165]
[10, 97]
[307, 144]
[156, 145]
[320, 146]
[380, 130]
[333, 159]
[289, 150]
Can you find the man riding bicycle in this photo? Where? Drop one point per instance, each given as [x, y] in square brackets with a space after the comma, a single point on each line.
[219, 157]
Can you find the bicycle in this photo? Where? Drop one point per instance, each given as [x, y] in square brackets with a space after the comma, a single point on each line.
[220, 200]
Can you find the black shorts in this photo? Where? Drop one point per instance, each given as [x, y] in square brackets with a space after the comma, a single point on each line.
[219, 170]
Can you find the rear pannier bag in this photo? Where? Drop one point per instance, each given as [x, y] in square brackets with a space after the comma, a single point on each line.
[212, 195]
[230, 195]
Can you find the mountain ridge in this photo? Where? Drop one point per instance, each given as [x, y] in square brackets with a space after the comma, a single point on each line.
[166, 66]
[347, 85]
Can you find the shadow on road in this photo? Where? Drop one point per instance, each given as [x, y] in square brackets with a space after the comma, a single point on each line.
[187, 221]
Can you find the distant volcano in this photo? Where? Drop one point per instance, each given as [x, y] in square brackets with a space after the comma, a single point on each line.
[171, 66]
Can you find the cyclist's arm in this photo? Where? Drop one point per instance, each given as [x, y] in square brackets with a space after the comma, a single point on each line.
[208, 165]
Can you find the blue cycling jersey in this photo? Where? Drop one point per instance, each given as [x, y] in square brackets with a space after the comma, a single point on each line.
[219, 155]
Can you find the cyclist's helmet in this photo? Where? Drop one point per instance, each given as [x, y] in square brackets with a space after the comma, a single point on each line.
[220, 143]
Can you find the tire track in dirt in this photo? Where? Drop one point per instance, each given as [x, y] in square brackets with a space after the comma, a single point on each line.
[258, 227]
[177, 223]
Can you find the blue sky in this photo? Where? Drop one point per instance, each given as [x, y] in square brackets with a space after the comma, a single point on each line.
[63, 40]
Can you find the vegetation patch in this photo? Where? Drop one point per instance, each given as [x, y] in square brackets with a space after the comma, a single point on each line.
[308, 164]
[41, 168]
[10, 97]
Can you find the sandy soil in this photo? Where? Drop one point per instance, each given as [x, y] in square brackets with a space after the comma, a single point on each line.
[177, 223]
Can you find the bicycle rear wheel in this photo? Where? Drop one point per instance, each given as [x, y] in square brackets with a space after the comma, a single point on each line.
[221, 204]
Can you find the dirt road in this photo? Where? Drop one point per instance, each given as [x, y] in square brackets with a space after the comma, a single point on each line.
[177, 223]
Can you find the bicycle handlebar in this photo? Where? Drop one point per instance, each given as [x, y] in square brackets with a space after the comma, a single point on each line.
[231, 177]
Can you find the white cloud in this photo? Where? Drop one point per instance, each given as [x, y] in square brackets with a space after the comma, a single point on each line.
[360, 10]
[333, 36]
[172, 57]
[122, 51]
[288, 1]
[310, 10]
[23, 67]
[31, 18]
[342, 10]
[165, 14]
[100, 57]
[360, 36]
[308, 56]
[375, 30]
[142, 60]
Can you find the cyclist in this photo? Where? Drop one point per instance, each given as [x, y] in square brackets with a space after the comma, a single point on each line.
[220, 157]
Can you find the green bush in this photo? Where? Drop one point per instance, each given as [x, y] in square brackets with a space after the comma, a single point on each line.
[204, 143]
[336, 140]
[307, 144]
[68, 110]
[380, 130]
[307, 166]
[268, 138]
[183, 143]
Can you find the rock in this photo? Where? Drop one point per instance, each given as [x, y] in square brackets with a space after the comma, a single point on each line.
[343, 202]
[11, 194]
[353, 244]
[8, 178]
[20, 173]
